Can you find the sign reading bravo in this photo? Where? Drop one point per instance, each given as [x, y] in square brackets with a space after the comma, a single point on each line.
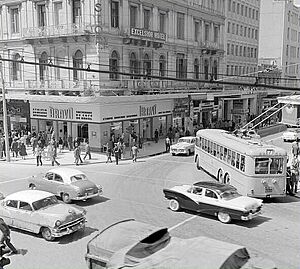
[65, 113]
[147, 111]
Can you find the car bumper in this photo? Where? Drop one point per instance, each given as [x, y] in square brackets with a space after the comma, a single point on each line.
[251, 216]
[179, 151]
[86, 196]
[68, 230]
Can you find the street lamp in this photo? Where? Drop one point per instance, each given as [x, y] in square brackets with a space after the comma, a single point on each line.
[4, 114]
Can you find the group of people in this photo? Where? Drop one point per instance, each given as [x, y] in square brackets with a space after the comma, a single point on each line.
[293, 170]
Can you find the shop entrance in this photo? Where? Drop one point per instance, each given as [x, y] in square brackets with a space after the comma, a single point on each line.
[83, 132]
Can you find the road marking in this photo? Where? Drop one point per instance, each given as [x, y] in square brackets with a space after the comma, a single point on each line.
[13, 180]
[181, 223]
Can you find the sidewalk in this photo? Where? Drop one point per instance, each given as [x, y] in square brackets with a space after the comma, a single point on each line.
[66, 157]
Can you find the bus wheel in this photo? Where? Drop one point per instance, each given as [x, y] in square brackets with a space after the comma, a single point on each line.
[224, 217]
[220, 176]
[198, 164]
[227, 179]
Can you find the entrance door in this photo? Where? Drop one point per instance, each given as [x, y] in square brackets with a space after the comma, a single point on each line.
[83, 132]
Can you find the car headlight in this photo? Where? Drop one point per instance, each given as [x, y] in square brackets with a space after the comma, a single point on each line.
[57, 223]
[99, 188]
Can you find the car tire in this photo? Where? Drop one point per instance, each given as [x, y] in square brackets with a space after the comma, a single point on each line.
[66, 198]
[197, 163]
[189, 152]
[224, 217]
[226, 179]
[174, 205]
[46, 234]
[220, 176]
[32, 186]
[173, 154]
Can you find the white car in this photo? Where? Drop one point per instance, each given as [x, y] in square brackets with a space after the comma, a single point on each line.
[185, 145]
[40, 212]
[291, 135]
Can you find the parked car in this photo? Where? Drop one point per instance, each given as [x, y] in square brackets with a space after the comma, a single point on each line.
[185, 145]
[221, 200]
[133, 244]
[69, 184]
[40, 212]
[291, 135]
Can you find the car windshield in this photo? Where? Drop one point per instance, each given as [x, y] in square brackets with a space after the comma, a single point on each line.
[186, 140]
[78, 178]
[46, 202]
[230, 194]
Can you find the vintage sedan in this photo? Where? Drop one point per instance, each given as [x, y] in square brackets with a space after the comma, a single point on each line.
[69, 184]
[40, 212]
[213, 198]
[134, 244]
[185, 145]
[291, 135]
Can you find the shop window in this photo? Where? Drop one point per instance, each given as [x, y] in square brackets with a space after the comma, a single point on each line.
[16, 68]
[134, 65]
[162, 66]
[114, 66]
[77, 63]
[147, 66]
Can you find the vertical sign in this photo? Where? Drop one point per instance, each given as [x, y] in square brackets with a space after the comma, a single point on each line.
[101, 42]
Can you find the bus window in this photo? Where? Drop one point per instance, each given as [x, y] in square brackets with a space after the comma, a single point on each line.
[221, 152]
[276, 166]
[215, 149]
[218, 151]
[233, 159]
[208, 146]
[229, 156]
[225, 154]
[243, 163]
[261, 165]
[205, 144]
[237, 163]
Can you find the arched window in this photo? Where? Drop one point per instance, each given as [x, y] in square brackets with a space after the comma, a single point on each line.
[196, 68]
[16, 68]
[147, 66]
[43, 69]
[215, 70]
[206, 69]
[114, 65]
[134, 65]
[77, 63]
[162, 66]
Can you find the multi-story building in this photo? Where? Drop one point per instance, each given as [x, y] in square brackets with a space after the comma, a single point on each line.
[280, 38]
[128, 42]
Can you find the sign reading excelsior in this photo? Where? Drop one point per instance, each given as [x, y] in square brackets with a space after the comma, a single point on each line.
[148, 34]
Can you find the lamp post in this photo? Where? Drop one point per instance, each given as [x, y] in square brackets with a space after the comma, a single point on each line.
[4, 114]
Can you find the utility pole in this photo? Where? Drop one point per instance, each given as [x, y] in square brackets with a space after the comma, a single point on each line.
[5, 123]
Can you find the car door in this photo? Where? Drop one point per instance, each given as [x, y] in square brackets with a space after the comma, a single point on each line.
[59, 185]
[211, 203]
[25, 219]
[11, 209]
[47, 183]
[196, 203]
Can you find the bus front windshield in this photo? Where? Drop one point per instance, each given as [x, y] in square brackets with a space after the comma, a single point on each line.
[268, 165]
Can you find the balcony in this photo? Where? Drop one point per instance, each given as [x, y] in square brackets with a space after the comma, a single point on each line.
[214, 46]
[57, 31]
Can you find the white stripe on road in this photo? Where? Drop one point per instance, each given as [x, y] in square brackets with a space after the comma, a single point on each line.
[181, 223]
[13, 180]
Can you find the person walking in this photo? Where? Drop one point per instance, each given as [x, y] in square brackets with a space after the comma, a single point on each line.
[22, 148]
[167, 142]
[108, 153]
[288, 181]
[116, 153]
[295, 148]
[294, 174]
[5, 236]
[53, 153]
[15, 147]
[60, 144]
[76, 153]
[69, 141]
[87, 151]
[134, 151]
[38, 153]
[156, 135]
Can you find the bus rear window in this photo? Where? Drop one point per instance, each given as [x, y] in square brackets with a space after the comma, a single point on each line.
[261, 165]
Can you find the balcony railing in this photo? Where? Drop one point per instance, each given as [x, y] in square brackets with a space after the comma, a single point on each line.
[212, 45]
[56, 31]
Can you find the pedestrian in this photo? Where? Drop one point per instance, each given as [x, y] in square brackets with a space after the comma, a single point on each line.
[156, 135]
[15, 147]
[116, 153]
[87, 151]
[5, 236]
[60, 144]
[288, 181]
[167, 142]
[33, 142]
[69, 141]
[108, 153]
[38, 153]
[295, 148]
[294, 174]
[53, 153]
[22, 149]
[134, 151]
[76, 153]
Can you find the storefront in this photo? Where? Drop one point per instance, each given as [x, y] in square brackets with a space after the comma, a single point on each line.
[98, 120]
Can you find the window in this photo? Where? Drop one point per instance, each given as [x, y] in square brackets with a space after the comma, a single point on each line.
[114, 66]
[197, 190]
[229, 156]
[233, 158]
[78, 63]
[58, 178]
[133, 16]
[276, 166]
[180, 25]
[25, 206]
[206, 69]
[228, 27]
[162, 66]
[261, 165]
[237, 163]
[206, 32]
[146, 18]
[134, 64]
[229, 5]
[58, 13]
[242, 163]
[197, 27]
[43, 68]
[12, 203]
[216, 34]
[16, 68]
[114, 14]
[181, 66]
[76, 12]
[162, 22]
[41, 9]
[147, 66]
[196, 68]
[15, 25]
[210, 194]
[215, 70]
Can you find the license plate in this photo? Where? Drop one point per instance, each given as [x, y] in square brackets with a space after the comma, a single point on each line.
[268, 189]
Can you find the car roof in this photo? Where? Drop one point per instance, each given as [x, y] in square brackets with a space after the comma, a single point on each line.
[214, 186]
[65, 172]
[28, 196]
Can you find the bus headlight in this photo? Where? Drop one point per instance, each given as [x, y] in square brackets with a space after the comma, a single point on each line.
[274, 181]
[263, 181]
